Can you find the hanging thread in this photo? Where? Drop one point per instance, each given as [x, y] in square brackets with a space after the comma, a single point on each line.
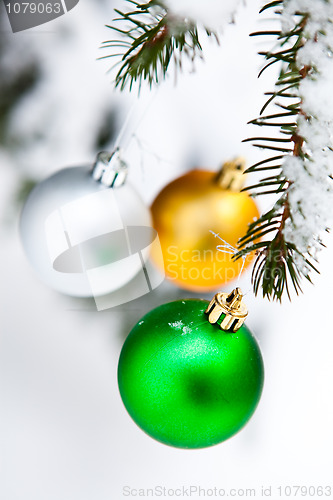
[229, 249]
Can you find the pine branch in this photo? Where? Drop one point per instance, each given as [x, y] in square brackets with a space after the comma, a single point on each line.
[279, 261]
[153, 38]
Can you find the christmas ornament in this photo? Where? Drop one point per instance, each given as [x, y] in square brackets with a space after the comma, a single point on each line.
[86, 231]
[184, 214]
[190, 373]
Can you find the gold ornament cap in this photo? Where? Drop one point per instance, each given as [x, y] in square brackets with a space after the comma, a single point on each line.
[231, 176]
[230, 304]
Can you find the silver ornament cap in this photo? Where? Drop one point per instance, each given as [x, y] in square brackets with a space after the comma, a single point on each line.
[109, 169]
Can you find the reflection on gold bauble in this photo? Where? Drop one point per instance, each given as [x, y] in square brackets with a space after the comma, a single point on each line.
[185, 212]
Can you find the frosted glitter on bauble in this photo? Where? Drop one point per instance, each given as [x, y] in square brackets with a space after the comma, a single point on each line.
[79, 228]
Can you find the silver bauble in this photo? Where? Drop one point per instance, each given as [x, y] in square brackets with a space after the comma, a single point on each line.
[83, 230]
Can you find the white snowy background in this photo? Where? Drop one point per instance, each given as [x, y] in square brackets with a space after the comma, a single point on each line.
[65, 434]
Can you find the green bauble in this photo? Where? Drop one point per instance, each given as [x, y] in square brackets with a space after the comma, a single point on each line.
[186, 382]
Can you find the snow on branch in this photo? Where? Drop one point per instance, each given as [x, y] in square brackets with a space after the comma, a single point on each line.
[310, 192]
[299, 171]
[213, 14]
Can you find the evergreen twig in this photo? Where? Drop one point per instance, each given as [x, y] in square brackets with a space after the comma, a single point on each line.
[152, 39]
[275, 258]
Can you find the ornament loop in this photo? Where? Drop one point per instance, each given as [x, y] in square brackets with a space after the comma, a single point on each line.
[109, 169]
[232, 306]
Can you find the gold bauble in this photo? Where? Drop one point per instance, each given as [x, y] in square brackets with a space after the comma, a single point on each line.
[184, 214]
